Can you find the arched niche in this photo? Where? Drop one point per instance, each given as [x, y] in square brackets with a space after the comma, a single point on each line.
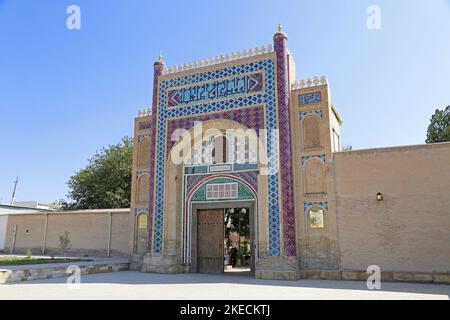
[314, 176]
[144, 152]
[311, 132]
[143, 189]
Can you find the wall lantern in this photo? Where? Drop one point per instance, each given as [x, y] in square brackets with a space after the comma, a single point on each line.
[379, 196]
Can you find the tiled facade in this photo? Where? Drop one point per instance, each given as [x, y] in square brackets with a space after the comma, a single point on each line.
[254, 89]
[166, 113]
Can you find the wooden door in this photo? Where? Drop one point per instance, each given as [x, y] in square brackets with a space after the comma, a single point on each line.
[210, 234]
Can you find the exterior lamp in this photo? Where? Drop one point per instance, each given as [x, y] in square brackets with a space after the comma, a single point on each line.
[379, 196]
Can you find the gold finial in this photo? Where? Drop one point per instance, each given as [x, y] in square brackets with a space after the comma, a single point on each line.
[280, 28]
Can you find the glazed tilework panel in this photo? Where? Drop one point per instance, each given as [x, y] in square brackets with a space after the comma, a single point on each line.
[286, 171]
[250, 117]
[138, 211]
[158, 69]
[221, 89]
[310, 98]
[166, 113]
[250, 178]
[305, 159]
[221, 191]
[240, 192]
[303, 115]
[309, 205]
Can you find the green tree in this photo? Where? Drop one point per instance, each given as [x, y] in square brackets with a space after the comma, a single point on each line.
[237, 222]
[105, 182]
[439, 128]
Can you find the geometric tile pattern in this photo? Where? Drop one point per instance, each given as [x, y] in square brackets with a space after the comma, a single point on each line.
[221, 191]
[309, 205]
[138, 211]
[158, 69]
[162, 114]
[320, 157]
[307, 113]
[310, 98]
[242, 191]
[142, 137]
[251, 117]
[286, 171]
[249, 177]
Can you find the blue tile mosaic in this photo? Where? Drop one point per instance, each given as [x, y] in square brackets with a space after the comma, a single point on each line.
[310, 98]
[307, 113]
[266, 97]
[305, 159]
[309, 205]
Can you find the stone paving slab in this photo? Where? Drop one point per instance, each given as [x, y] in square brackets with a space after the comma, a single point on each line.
[65, 264]
[144, 286]
[9, 274]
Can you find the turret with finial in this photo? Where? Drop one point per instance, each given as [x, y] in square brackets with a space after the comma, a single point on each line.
[280, 32]
[160, 60]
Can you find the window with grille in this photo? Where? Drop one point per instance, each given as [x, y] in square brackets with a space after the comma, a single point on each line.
[222, 191]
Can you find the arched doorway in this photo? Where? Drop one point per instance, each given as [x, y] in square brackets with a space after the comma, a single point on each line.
[210, 227]
[190, 170]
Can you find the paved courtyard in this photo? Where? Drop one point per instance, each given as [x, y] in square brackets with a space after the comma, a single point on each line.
[136, 285]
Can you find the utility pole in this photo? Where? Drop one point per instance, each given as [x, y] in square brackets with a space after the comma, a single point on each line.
[13, 197]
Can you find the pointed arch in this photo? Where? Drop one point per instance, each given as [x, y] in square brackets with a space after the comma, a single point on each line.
[144, 152]
[143, 188]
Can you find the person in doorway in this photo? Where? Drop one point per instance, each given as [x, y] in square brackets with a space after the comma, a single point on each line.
[233, 257]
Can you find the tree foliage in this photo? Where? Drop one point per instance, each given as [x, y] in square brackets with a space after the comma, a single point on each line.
[237, 222]
[439, 128]
[347, 148]
[105, 182]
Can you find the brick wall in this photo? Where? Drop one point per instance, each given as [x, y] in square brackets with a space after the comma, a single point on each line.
[407, 231]
[89, 232]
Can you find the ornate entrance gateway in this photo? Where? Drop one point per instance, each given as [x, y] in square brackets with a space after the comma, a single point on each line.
[219, 137]
[210, 233]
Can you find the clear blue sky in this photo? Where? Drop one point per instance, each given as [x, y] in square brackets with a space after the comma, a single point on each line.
[64, 94]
